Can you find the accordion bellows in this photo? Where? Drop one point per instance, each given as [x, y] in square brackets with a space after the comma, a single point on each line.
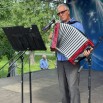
[69, 41]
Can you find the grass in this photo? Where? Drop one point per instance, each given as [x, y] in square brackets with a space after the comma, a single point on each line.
[35, 67]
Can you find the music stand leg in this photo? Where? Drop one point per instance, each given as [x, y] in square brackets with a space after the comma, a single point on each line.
[30, 86]
[89, 79]
[30, 83]
[22, 89]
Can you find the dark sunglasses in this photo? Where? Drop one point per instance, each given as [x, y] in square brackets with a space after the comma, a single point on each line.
[62, 12]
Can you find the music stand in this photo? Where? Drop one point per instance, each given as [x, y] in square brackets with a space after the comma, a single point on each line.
[23, 39]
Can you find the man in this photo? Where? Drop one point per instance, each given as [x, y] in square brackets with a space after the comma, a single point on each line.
[44, 62]
[67, 72]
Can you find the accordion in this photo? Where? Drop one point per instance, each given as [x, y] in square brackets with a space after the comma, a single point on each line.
[69, 41]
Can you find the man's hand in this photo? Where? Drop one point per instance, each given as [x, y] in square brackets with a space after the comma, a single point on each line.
[50, 36]
[87, 52]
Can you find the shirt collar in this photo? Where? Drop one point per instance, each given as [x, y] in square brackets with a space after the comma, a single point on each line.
[71, 20]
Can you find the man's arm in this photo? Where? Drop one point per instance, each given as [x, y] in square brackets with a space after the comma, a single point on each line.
[50, 36]
[41, 64]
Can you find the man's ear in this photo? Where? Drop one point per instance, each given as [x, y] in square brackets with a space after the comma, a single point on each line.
[68, 12]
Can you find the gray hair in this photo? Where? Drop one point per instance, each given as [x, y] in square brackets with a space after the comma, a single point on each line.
[43, 56]
[64, 6]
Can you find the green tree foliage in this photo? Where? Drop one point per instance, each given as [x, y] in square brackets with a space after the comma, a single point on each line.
[25, 13]
[32, 12]
[4, 9]
[5, 47]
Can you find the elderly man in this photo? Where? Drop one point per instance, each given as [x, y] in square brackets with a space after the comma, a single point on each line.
[67, 72]
[44, 62]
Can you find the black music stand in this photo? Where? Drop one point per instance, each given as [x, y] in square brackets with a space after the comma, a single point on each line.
[23, 39]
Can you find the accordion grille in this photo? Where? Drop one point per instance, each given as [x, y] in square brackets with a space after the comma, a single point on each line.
[72, 40]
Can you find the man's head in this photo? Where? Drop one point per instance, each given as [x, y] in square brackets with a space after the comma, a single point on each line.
[63, 12]
[44, 56]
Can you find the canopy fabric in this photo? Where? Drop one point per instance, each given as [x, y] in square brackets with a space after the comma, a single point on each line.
[90, 13]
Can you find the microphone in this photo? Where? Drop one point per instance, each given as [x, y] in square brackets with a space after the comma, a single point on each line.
[48, 26]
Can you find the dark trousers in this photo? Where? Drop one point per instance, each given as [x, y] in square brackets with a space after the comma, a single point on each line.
[68, 82]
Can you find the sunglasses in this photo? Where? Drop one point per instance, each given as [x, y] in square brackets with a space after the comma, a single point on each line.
[62, 12]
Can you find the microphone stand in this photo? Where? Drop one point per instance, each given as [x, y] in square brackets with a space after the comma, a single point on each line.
[89, 78]
[89, 59]
[79, 70]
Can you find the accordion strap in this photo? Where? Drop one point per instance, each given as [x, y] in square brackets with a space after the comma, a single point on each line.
[72, 22]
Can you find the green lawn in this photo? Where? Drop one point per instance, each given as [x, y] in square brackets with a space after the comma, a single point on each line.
[35, 67]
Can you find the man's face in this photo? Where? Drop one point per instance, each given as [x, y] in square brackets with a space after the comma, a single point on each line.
[63, 14]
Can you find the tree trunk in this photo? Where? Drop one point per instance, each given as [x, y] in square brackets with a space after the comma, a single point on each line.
[32, 61]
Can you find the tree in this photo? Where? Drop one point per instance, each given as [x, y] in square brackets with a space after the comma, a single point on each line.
[25, 13]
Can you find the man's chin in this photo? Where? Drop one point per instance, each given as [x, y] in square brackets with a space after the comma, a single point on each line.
[64, 21]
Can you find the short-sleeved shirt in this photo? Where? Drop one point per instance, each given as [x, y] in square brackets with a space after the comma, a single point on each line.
[44, 64]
